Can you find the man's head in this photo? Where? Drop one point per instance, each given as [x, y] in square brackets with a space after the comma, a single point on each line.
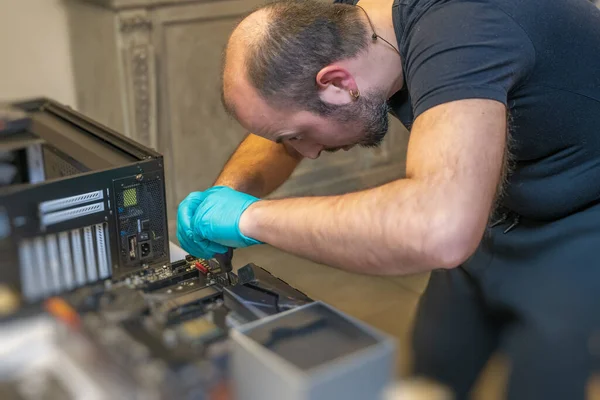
[292, 71]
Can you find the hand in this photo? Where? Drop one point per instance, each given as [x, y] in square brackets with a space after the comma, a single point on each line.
[217, 217]
[185, 234]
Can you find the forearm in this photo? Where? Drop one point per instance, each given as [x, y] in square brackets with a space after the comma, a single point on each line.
[258, 167]
[399, 228]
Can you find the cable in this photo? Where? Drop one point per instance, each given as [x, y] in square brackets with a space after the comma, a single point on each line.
[375, 36]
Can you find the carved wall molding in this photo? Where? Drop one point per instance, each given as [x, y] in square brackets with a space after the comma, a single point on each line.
[139, 62]
[134, 23]
[140, 59]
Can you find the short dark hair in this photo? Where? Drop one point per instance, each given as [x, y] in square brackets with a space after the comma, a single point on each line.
[302, 37]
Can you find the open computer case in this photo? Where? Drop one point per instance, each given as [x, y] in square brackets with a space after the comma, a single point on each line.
[83, 203]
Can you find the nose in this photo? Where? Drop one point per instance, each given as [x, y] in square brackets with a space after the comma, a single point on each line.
[307, 149]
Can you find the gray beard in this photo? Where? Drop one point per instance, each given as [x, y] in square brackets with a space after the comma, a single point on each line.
[376, 121]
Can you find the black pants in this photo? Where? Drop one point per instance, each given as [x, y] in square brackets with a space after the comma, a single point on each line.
[532, 293]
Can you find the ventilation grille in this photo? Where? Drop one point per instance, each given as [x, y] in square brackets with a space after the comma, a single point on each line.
[58, 165]
[59, 204]
[56, 263]
[130, 197]
[66, 215]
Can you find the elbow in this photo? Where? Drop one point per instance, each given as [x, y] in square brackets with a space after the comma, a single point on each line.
[455, 244]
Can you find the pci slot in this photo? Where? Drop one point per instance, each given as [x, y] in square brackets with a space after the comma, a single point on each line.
[39, 265]
[29, 278]
[53, 263]
[57, 262]
[101, 245]
[90, 256]
[78, 260]
[72, 201]
[72, 213]
[66, 260]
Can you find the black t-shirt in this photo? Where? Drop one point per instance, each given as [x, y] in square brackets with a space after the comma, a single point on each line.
[541, 58]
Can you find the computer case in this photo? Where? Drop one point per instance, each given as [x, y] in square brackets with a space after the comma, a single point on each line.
[93, 206]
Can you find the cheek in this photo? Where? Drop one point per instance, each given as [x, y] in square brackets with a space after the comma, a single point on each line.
[334, 135]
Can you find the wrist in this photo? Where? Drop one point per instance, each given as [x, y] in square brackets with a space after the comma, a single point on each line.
[224, 182]
[248, 220]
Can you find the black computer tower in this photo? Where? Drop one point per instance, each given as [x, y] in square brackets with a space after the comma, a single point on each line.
[90, 206]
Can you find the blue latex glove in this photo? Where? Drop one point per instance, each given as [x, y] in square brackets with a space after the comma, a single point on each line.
[208, 222]
[217, 217]
[185, 233]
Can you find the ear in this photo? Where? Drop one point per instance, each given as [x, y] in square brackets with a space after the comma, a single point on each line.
[335, 83]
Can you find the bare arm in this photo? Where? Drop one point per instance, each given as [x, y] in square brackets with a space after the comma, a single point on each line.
[258, 166]
[432, 219]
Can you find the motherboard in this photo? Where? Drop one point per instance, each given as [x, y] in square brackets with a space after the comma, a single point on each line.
[161, 333]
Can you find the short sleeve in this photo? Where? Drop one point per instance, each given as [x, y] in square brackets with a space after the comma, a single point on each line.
[462, 50]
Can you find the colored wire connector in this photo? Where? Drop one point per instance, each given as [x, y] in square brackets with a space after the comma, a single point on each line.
[201, 267]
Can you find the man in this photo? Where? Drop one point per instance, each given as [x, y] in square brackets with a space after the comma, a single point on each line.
[500, 199]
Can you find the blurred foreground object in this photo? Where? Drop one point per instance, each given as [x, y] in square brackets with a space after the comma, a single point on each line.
[311, 352]
[418, 389]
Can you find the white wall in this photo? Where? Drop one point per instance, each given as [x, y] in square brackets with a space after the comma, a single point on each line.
[34, 51]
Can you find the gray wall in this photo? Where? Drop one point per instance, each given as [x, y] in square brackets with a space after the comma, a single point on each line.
[36, 53]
